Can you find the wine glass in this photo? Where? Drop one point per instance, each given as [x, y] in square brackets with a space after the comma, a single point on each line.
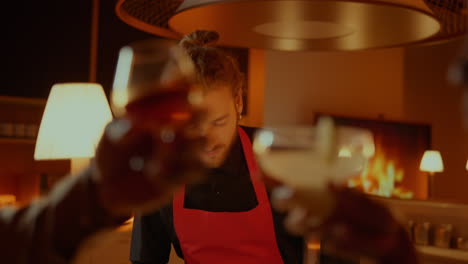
[155, 93]
[308, 158]
[154, 82]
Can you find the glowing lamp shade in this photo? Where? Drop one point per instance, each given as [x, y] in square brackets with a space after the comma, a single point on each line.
[73, 122]
[431, 162]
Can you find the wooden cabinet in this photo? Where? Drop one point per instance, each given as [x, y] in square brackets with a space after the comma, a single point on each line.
[20, 174]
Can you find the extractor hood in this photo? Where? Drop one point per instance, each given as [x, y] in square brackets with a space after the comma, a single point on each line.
[321, 25]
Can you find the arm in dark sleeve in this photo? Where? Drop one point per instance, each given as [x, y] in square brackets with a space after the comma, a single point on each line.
[51, 229]
[151, 243]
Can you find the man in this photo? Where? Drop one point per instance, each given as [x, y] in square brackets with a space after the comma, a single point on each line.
[229, 218]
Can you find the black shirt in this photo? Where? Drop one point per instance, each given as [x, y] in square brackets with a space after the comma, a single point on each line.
[227, 189]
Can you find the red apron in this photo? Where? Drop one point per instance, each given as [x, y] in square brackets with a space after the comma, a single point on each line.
[229, 237]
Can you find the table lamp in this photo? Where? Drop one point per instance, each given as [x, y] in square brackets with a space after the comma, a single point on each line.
[431, 162]
[72, 124]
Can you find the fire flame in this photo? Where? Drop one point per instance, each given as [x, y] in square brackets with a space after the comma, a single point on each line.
[381, 177]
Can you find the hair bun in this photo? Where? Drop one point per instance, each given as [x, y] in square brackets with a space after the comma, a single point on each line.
[199, 38]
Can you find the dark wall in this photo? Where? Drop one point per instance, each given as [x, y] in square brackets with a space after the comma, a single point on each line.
[46, 42]
[113, 34]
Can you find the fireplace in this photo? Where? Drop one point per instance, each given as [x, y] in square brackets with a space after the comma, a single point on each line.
[393, 171]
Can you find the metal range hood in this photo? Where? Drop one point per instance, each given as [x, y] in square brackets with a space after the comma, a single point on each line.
[319, 25]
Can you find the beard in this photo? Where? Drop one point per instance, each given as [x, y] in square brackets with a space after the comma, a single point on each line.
[215, 157]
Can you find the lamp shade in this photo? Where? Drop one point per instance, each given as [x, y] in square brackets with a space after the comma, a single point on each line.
[466, 166]
[73, 121]
[431, 161]
[309, 25]
[302, 24]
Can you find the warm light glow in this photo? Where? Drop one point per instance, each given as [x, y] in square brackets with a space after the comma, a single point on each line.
[295, 29]
[466, 166]
[7, 200]
[73, 121]
[313, 246]
[126, 226]
[369, 147]
[129, 221]
[344, 152]
[431, 161]
[381, 177]
[119, 95]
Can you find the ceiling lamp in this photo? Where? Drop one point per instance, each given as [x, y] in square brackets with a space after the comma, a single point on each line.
[302, 25]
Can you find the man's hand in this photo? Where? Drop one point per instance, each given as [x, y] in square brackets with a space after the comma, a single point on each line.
[137, 169]
[350, 224]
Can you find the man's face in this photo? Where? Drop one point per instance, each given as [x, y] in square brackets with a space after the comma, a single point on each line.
[218, 126]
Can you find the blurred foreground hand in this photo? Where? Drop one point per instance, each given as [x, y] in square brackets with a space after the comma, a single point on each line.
[349, 223]
[139, 169]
